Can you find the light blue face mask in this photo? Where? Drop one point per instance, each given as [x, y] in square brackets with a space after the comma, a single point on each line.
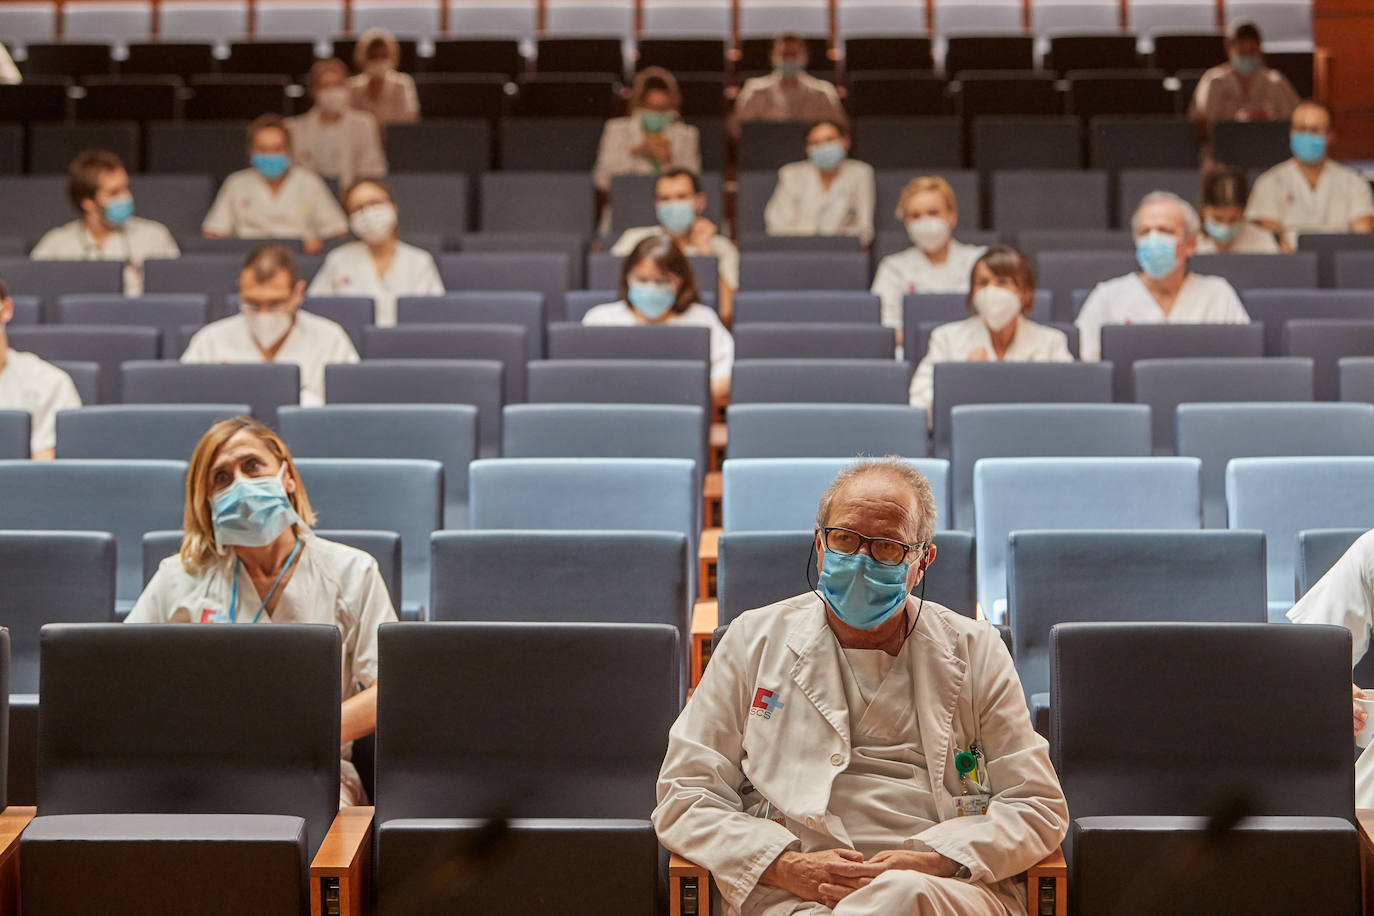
[655, 122]
[1308, 148]
[863, 593]
[1157, 253]
[1222, 232]
[826, 156]
[1243, 64]
[252, 511]
[676, 216]
[652, 299]
[790, 67]
[271, 165]
[118, 211]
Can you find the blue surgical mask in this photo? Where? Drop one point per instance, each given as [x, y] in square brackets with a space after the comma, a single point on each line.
[118, 210]
[1244, 64]
[1308, 148]
[676, 216]
[863, 593]
[826, 156]
[1156, 253]
[652, 299]
[252, 511]
[655, 122]
[1222, 232]
[790, 67]
[271, 165]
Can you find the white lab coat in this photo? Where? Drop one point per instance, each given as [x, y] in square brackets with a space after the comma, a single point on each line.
[135, 242]
[349, 149]
[312, 343]
[953, 342]
[27, 382]
[1344, 597]
[1283, 195]
[332, 584]
[1125, 300]
[619, 314]
[620, 135]
[910, 271]
[801, 205]
[350, 271]
[301, 208]
[737, 789]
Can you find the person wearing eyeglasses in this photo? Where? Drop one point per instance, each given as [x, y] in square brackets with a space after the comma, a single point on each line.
[271, 326]
[858, 748]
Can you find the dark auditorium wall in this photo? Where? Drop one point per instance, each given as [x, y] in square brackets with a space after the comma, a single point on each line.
[1344, 29]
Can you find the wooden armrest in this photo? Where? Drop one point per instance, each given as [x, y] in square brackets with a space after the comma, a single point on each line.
[1053, 866]
[705, 618]
[1047, 885]
[713, 486]
[1364, 818]
[709, 546]
[13, 820]
[698, 887]
[343, 863]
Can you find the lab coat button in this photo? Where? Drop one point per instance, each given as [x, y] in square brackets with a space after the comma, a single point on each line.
[811, 822]
[836, 759]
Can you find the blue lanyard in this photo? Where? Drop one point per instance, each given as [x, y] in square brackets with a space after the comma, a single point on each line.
[234, 598]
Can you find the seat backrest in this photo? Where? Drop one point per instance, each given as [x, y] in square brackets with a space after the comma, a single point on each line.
[1044, 140]
[1120, 143]
[803, 270]
[1123, 344]
[523, 271]
[256, 712]
[1013, 383]
[14, 433]
[605, 431]
[1012, 494]
[263, 386]
[825, 430]
[674, 342]
[1062, 272]
[446, 433]
[1039, 431]
[817, 381]
[496, 307]
[1318, 551]
[1049, 199]
[1164, 384]
[814, 340]
[1294, 270]
[1274, 307]
[1326, 341]
[548, 749]
[123, 497]
[1058, 577]
[138, 430]
[1217, 433]
[1356, 378]
[775, 306]
[425, 381]
[504, 343]
[1283, 496]
[106, 346]
[619, 381]
[1354, 269]
[781, 494]
[51, 577]
[85, 376]
[530, 201]
[382, 494]
[1116, 690]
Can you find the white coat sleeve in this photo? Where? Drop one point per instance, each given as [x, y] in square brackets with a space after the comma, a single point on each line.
[889, 288]
[49, 247]
[610, 156]
[428, 282]
[923, 382]
[863, 206]
[722, 350]
[686, 146]
[1264, 200]
[371, 158]
[1361, 200]
[220, 219]
[1235, 309]
[154, 605]
[198, 349]
[1059, 349]
[327, 218]
[1344, 596]
[700, 813]
[780, 216]
[325, 283]
[1027, 816]
[1089, 324]
[62, 395]
[374, 609]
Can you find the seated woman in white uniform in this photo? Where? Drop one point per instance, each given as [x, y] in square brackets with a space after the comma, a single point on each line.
[379, 266]
[248, 556]
[657, 286]
[827, 194]
[935, 262]
[1001, 294]
[1225, 193]
[1166, 228]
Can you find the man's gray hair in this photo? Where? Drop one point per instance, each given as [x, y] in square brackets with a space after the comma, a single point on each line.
[1192, 225]
[893, 466]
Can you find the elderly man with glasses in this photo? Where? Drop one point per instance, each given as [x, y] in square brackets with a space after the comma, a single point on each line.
[858, 750]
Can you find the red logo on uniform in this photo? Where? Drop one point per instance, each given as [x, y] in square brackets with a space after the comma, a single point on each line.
[765, 701]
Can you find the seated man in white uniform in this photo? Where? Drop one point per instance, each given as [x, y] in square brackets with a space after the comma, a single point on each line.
[858, 750]
[379, 265]
[827, 193]
[1166, 228]
[1310, 192]
[678, 205]
[789, 93]
[248, 555]
[271, 327]
[935, 262]
[105, 228]
[333, 139]
[275, 198]
[1344, 597]
[30, 383]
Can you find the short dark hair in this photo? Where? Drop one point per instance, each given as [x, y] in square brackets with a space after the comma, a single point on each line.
[678, 171]
[376, 182]
[1225, 186]
[270, 258]
[663, 251]
[4, 289]
[1243, 30]
[1009, 263]
[836, 123]
[83, 175]
[268, 121]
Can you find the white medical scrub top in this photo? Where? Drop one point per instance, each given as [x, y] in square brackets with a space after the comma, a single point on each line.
[135, 242]
[619, 314]
[302, 208]
[1283, 195]
[910, 271]
[1125, 300]
[801, 205]
[312, 343]
[350, 271]
[29, 383]
[953, 342]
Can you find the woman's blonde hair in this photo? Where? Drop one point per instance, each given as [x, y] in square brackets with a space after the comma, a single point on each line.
[375, 36]
[923, 184]
[198, 549]
[651, 78]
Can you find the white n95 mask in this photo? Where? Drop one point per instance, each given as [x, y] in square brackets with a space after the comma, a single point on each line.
[268, 328]
[997, 306]
[374, 222]
[929, 233]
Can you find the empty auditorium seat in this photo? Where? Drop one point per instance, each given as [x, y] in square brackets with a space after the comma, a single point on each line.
[165, 311]
[139, 431]
[696, 18]
[816, 340]
[119, 22]
[767, 145]
[1326, 341]
[1094, 49]
[986, 51]
[75, 59]
[232, 96]
[1049, 199]
[549, 144]
[915, 145]
[1250, 144]
[215, 149]
[502, 343]
[619, 381]
[541, 272]
[850, 381]
[492, 18]
[1119, 92]
[819, 270]
[1123, 344]
[24, 23]
[263, 386]
[773, 306]
[38, 98]
[475, 55]
[219, 21]
[568, 95]
[1015, 143]
[462, 95]
[564, 53]
[167, 58]
[1143, 142]
[788, 431]
[147, 98]
[1186, 39]
[896, 93]
[668, 342]
[52, 147]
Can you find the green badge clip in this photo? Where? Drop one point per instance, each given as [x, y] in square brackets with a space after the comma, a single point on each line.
[965, 763]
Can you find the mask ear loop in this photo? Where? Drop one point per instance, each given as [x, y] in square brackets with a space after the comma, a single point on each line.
[810, 566]
[922, 605]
